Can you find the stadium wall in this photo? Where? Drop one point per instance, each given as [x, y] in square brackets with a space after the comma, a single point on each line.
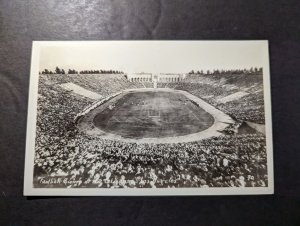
[93, 106]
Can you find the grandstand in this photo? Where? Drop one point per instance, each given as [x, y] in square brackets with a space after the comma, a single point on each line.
[103, 84]
[235, 158]
[240, 95]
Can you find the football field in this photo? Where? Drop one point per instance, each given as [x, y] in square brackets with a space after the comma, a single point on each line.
[152, 114]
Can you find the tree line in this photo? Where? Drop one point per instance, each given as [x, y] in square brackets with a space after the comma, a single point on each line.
[73, 71]
[252, 70]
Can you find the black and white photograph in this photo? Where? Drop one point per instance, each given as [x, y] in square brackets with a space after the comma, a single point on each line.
[149, 118]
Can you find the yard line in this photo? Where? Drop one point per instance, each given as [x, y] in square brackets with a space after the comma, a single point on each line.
[194, 115]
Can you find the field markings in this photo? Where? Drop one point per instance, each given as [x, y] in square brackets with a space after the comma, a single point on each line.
[194, 115]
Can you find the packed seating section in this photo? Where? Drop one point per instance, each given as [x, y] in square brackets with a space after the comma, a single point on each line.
[85, 161]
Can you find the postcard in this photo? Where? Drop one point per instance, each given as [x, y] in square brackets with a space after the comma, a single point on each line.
[134, 118]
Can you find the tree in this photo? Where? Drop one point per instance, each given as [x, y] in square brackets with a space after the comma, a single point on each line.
[57, 70]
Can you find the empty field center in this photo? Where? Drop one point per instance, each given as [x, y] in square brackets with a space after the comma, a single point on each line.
[154, 115]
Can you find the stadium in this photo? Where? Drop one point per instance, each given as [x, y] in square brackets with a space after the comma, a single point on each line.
[116, 130]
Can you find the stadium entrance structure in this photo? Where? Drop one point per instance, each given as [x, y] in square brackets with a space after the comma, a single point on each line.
[140, 77]
[149, 77]
[153, 116]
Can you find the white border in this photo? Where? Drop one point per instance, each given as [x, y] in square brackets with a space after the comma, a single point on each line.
[31, 133]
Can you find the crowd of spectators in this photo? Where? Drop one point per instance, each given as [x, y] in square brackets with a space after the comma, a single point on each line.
[65, 157]
[148, 84]
[103, 84]
[56, 109]
[229, 161]
[213, 88]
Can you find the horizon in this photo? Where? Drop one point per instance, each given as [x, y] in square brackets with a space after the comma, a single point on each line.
[152, 56]
[143, 72]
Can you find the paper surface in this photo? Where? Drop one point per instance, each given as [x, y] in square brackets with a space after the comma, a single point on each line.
[149, 118]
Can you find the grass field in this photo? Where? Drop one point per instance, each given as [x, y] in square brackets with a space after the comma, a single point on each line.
[152, 114]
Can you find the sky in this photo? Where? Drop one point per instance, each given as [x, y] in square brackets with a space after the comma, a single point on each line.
[152, 56]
